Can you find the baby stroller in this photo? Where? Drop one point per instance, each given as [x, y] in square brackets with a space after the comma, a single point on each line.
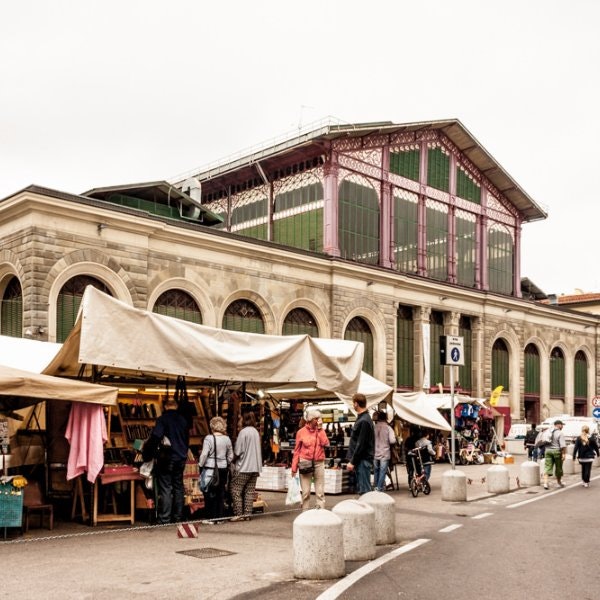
[418, 480]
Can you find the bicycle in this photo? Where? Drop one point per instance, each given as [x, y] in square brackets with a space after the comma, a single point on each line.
[418, 481]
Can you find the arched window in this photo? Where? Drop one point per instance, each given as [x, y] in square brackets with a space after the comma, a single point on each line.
[358, 222]
[358, 330]
[243, 315]
[405, 377]
[68, 301]
[300, 322]
[179, 304]
[500, 365]
[11, 314]
[532, 384]
[581, 383]
[557, 373]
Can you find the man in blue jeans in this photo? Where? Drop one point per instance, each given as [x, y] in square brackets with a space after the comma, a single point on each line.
[362, 445]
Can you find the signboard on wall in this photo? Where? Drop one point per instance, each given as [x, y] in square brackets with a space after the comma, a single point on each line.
[4, 437]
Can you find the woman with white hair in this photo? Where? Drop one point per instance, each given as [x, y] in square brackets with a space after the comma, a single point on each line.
[586, 448]
[309, 458]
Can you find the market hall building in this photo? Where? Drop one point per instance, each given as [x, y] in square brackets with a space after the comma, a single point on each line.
[389, 234]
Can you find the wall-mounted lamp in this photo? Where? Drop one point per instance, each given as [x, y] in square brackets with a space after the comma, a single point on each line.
[507, 310]
[101, 226]
[586, 326]
[369, 283]
[34, 331]
[442, 298]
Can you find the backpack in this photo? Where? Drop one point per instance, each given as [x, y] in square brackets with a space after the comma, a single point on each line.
[544, 438]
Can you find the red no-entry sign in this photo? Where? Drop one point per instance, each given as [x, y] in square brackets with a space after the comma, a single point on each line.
[596, 401]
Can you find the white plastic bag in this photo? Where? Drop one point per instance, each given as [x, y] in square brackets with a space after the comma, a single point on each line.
[294, 494]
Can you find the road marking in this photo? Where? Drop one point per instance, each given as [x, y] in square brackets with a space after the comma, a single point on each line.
[482, 516]
[547, 494]
[341, 586]
[450, 528]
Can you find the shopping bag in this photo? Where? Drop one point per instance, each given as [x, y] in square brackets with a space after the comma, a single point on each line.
[294, 494]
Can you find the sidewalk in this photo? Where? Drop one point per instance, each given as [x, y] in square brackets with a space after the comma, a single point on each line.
[78, 561]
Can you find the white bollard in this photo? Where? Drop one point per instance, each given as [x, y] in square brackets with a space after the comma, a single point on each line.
[359, 529]
[318, 538]
[497, 480]
[454, 486]
[385, 516]
[568, 465]
[596, 462]
[529, 473]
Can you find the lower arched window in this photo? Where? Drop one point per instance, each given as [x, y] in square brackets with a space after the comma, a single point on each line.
[358, 330]
[178, 304]
[500, 365]
[243, 315]
[300, 322]
[11, 313]
[68, 301]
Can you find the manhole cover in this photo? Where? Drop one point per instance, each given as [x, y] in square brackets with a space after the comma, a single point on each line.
[205, 552]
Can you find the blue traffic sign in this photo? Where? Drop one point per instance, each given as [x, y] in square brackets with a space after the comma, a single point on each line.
[596, 413]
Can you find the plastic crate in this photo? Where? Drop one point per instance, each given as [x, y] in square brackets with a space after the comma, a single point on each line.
[11, 506]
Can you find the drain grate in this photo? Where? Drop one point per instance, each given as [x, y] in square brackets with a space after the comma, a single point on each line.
[205, 553]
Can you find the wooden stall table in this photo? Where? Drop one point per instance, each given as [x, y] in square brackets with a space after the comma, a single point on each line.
[109, 477]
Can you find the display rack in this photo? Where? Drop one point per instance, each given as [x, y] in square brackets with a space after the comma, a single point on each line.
[11, 506]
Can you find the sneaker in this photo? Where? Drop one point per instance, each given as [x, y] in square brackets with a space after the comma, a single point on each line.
[586, 485]
[546, 486]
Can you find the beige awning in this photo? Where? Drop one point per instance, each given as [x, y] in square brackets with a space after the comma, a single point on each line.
[419, 408]
[129, 344]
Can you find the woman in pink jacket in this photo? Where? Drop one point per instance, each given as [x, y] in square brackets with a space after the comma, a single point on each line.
[309, 458]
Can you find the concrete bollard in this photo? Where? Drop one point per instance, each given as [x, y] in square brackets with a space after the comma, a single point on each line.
[529, 473]
[568, 465]
[596, 462]
[385, 516]
[497, 480]
[318, 538]
[359, 529]
[454, 486]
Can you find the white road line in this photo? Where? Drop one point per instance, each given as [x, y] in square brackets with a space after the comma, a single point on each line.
[482, 516]
[341, 586]
[547, 494]
[450, 528]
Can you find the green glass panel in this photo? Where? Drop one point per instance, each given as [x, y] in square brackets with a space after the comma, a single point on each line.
[466, 188]
[465, 252]
[464, 372]
[557, 373]
[406, 164]
[304, 230]
[11, 311]
[438, 169]
[500, 253]
[300, 322]
[437, 244]
[358, 223]
[306, 194]
[258, 232]
[243, 315]
[406, 230]
[178, 304]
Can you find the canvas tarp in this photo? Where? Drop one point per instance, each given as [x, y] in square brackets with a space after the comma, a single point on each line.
[19, 389]
[420, 409]
[135, 344]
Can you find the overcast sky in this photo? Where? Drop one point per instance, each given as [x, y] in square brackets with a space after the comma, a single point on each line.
[110, 92]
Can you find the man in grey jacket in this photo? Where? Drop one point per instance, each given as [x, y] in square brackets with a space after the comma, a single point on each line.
[555, 455]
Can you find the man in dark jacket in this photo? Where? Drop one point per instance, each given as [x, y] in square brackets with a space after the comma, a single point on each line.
[362, 445]
[529, 442]
[169, 443]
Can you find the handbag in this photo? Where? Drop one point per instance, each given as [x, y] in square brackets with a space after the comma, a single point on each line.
[306, 466]
[215, 477]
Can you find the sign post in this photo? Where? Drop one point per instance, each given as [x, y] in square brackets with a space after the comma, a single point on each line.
[451, 355]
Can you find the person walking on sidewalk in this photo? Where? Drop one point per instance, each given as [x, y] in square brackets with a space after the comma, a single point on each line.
[248, 465]
[362, 445]
[309, 458]
[529, 442]
[427, 454]
[555, 455]
[587, 449]
[384, 440]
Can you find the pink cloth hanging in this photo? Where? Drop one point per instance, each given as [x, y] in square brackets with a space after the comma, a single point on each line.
[86, 433]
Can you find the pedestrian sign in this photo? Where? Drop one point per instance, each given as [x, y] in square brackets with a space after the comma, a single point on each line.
[451, 350]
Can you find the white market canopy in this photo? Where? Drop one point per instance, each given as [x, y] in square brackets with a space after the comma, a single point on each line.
[20, 389]
[128, 344]
[26, 354]
[419, 408]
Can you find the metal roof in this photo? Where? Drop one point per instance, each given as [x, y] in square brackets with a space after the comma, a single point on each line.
[453, 129]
